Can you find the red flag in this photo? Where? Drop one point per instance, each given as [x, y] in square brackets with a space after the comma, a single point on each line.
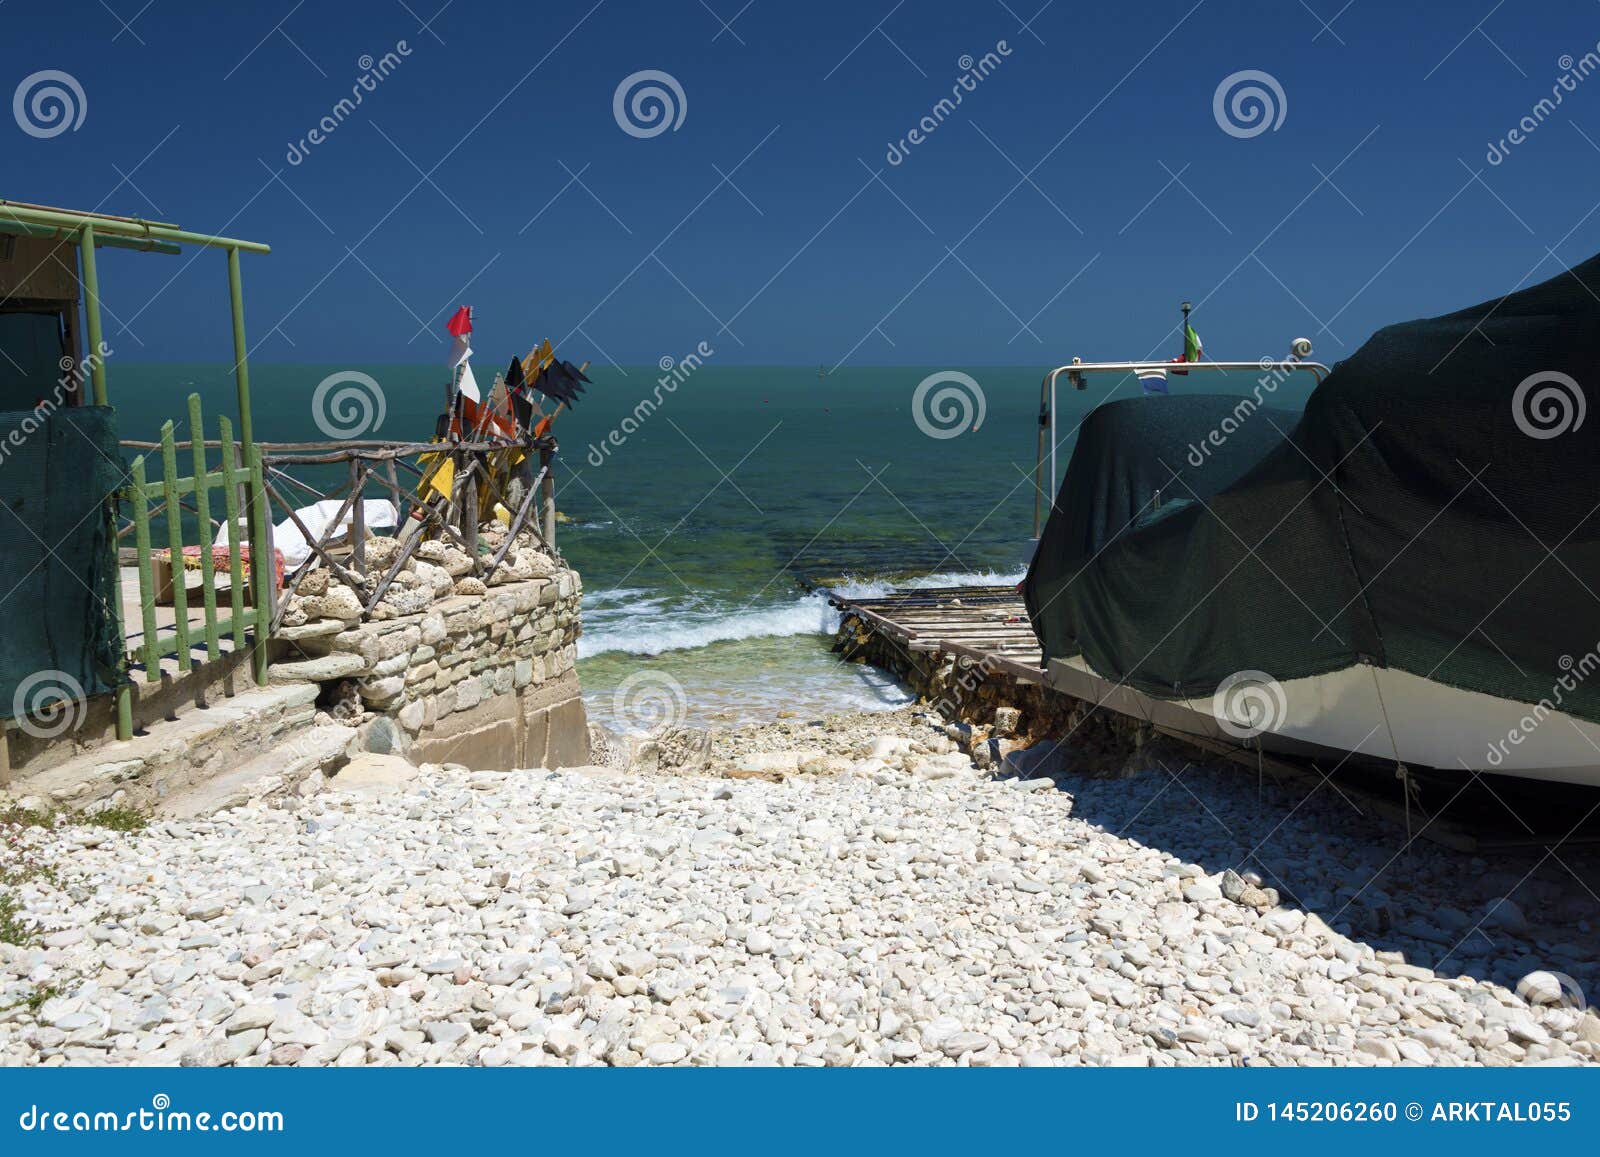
[460, 327]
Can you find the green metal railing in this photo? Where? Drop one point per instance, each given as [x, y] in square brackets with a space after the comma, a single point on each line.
[238, 476]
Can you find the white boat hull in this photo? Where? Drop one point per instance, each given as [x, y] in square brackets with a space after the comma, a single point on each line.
[1427, 724]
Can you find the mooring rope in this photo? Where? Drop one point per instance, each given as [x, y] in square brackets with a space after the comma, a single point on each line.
[1408, 786]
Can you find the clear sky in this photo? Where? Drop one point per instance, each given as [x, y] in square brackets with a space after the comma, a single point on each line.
[1078, 192]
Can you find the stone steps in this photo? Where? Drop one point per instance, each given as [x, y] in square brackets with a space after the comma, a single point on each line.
[297, 766]
[174, 755]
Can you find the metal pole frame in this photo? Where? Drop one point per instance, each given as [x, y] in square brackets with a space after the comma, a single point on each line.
[97, 375]
[263, 572]
[90, 231]
[91, 312]
[122, 227]
[1048, 390]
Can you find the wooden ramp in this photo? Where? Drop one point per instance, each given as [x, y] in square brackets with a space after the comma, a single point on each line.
[984, 623]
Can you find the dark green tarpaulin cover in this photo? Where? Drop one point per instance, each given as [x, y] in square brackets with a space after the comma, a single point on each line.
[58, 472]
[1428, 512]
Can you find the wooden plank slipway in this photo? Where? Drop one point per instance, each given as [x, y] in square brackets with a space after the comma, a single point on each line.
[983, 623]
[990, 625]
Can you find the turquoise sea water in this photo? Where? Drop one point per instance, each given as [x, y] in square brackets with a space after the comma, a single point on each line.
[700, 524]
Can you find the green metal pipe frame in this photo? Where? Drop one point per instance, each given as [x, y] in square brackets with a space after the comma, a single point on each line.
[241, 351]
[64, 233]
[89, 232]
[91, 313]
[143, 230]
[85, 231]
[262, 570]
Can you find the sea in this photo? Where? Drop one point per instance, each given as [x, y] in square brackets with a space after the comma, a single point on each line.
[710, 507]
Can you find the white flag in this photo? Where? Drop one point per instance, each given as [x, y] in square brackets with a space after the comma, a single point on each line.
[468, 385]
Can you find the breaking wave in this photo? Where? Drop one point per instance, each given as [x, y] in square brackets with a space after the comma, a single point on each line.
[874, 588]
[682, 630]
[646, 627]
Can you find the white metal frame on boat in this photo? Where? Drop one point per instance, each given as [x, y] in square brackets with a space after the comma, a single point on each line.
[1075, 372]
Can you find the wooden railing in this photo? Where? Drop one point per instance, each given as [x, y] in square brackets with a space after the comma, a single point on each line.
[163, 570]
[423, 512]
[259, 485]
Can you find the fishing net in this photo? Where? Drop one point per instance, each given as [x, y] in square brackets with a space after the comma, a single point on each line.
[58, 472]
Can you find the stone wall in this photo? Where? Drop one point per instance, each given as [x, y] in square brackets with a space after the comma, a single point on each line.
[997, 713]
[486, 679]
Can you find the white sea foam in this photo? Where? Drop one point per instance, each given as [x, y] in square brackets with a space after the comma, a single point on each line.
[644, 627]
[876, 588]
[684, 629]
[631, 596]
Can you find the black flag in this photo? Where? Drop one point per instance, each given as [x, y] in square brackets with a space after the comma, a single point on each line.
[562, 381]
[517, 391]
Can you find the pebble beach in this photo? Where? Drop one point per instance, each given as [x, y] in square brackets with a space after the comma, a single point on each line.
[850, 891]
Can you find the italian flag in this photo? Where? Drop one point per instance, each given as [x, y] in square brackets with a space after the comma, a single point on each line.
[1191, 347]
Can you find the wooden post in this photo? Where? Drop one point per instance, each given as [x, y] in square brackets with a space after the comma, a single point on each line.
[547, 489]
[232, 503]
[173, 513]
[202, 504]
[358, 518]
[315, 542]
[395, 568]
[147, 584]
[262, 570]
[469, 507]
[528, 501]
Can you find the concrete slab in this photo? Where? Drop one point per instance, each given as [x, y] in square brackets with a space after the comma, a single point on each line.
[369, 774]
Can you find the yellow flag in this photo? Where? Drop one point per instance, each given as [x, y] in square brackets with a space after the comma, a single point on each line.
[538, 358]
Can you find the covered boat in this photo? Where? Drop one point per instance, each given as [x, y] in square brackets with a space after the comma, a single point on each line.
[1408, 569]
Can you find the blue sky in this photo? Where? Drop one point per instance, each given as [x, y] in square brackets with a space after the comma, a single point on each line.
[1077, 194]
